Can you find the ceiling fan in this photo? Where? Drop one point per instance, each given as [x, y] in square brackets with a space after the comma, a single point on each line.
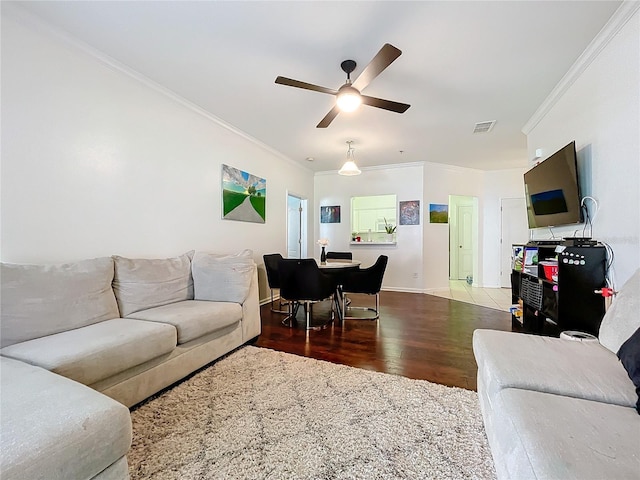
[348, 95]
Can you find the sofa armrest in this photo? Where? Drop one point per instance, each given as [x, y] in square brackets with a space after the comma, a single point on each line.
[622, 318]
[251, 326]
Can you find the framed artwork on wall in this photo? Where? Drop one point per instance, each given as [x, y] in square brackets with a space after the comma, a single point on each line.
[438, 213]
[410, 212]
[330, 214]
[244, 196]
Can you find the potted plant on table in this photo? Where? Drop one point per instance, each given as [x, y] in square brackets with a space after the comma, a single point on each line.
[390, 229]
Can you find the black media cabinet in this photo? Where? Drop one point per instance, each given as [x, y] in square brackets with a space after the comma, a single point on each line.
[568, 302]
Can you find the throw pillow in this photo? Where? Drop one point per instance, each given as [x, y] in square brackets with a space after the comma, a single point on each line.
[142, 283]
[222, 278]
[629, 355]
[41, 300]
[245, 256]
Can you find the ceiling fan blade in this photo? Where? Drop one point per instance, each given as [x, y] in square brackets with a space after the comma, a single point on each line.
[328, 118]
[385, 104]
[385, 57]
[304, 85]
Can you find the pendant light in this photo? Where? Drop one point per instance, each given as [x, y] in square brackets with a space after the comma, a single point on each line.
[349, 167]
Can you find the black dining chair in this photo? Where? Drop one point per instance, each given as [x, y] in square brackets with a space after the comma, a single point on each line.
[302, 282]
[273, 279]
[339, 256]
[367, 281]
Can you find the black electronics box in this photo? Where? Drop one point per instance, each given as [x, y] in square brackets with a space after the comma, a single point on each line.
[579, 241]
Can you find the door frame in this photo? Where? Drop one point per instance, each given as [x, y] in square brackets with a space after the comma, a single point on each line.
[461, 211]
[302, 218]
[454, 202]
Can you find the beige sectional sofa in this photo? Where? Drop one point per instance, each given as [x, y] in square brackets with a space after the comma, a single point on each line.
[563, 409]
[124, 327]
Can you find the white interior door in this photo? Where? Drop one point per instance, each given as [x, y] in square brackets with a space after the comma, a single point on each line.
[465, 241]
[296, 221]
[513, 230]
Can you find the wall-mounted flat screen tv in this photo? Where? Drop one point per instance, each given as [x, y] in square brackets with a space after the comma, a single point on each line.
[552, 190]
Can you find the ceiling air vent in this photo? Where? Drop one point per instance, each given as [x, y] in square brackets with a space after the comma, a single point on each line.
[484, 127]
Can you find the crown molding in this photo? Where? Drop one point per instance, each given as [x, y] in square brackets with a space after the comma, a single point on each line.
[30, 20]
[454, 168]
[375, 167]
[441, 166]
[618, 20]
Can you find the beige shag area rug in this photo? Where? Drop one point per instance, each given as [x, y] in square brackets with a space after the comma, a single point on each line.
[262, 414]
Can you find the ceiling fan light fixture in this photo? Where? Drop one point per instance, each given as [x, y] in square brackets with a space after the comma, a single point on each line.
[349, 168]
[348, 98]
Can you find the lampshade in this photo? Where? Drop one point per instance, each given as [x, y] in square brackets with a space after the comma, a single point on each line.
[348, 98]
[349, 167]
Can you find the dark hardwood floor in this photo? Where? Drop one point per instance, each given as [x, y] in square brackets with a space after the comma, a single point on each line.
[418, 336]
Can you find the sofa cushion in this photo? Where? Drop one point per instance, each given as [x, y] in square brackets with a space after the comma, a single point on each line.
[193, 318]
[553, 365]
[142, 283]
[40, 300]
[95, 352]
[622, 318]
[629, 355]
[560, 437]
[222, 278]
[57, 429]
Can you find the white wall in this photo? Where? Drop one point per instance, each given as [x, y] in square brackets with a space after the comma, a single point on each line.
[599, 108]
[440, 181]
[404, 270]
[498, 184]
[420, 261]
[96, 162]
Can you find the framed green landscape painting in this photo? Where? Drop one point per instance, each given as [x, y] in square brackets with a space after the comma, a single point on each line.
[244, 196]
[438, 213]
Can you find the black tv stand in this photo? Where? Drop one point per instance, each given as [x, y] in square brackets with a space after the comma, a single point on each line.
[566, 301]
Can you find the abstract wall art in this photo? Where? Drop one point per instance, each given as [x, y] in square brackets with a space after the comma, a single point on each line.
[410, 212]
[330, 214]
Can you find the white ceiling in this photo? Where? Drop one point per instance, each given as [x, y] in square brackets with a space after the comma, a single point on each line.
[462, 63]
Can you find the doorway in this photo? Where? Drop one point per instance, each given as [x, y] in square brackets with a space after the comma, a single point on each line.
[296, 226]
[463, 237]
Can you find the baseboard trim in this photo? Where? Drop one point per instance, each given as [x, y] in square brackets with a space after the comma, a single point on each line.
[403, 290]
[268, 300]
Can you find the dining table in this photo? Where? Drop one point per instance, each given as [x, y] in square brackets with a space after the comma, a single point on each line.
[336, 269]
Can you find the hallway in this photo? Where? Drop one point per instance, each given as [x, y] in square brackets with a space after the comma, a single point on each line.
[497, 298]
